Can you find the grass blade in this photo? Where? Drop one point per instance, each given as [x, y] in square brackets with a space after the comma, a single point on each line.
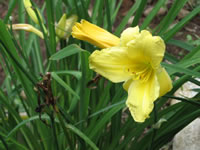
[82, 135]
[66, 52]
[152, 14]
[63, 84]
[179, 25]
[124, 21]
[139, 13]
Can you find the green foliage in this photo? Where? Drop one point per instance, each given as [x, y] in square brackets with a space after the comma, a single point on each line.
[192, 41]
[81, 115]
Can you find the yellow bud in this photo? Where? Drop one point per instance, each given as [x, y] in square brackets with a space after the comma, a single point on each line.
[70, 22]
[64, 26]
[60, 27]
[31, 12]
[27, 27]
[95, 35]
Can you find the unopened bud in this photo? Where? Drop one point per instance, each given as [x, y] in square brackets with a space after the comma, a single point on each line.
[70, 22]
[64, 26]
[27, 27]
[31, 12]
[60, 27]
[10, 18]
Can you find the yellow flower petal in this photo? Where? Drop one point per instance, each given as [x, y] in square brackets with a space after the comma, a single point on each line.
[94, 35]
[127, 84]
[141, 96]
[128, 35]
[150, 49]
[111, 63]
[164, 81]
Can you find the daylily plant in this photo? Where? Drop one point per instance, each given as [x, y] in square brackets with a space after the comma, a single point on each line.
[134, 59]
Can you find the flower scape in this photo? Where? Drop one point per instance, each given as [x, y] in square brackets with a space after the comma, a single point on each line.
[134, 59]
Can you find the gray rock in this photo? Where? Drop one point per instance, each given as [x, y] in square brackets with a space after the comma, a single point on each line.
[189, 137]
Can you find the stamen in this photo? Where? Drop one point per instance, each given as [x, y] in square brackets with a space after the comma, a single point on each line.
[142, 73]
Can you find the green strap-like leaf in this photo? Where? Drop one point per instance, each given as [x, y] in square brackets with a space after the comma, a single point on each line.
[176, 68]
[82, 135]
[66, 52]
[63, 84]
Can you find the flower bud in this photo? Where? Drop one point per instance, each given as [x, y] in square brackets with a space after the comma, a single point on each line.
[27, 27]
[70, 22]
[60, 27]
[64, 26]
[94, 35]
[31, 12]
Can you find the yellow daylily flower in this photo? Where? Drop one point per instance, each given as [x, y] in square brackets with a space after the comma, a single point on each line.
[94, 34]
[31, 12]
[135, 60]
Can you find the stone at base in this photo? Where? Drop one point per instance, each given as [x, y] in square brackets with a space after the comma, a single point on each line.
[189, 137]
